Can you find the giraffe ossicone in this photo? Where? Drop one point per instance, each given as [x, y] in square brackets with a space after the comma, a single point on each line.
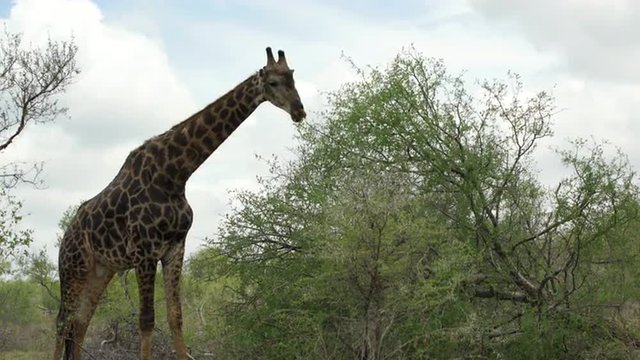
[142, 216]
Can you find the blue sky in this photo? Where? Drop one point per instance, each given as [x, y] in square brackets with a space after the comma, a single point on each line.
[5, 6]
[149, 64]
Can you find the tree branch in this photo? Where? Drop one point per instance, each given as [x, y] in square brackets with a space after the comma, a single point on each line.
[490, 292]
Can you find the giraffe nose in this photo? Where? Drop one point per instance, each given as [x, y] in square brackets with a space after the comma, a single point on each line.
[297, 111]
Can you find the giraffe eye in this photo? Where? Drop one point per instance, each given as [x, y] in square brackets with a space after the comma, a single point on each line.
[273, 83]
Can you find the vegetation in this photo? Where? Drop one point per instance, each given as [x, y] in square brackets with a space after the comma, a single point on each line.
[413, 224]
[31, 79]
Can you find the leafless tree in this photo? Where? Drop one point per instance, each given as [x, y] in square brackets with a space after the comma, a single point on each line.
[31, 78]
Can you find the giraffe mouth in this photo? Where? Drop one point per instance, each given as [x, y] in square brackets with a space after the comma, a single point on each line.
[298, 116]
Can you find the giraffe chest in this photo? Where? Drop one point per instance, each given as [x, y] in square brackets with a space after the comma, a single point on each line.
[156, 228]
[139, 225]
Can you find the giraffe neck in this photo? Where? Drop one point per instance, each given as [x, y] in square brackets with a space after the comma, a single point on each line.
[188, 144]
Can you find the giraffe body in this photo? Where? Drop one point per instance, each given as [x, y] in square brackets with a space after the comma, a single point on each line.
[141, 218]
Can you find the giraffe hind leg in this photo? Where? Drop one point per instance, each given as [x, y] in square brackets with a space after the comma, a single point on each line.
[73, 320]
[65, 332]
[61, 331]
[72, 284]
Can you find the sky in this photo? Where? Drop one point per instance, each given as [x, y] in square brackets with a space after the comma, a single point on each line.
[149, 64]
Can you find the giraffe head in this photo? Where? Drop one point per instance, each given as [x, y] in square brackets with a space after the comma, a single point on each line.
[279, 88]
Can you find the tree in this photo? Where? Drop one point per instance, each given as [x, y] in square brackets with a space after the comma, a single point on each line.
[65, 221]
[10, 238]
[471, 158]
[413, 224]
[38, 268]
[31, 80]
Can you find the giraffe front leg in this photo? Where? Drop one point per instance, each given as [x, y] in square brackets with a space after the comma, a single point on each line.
[146, 274]
[171, 270]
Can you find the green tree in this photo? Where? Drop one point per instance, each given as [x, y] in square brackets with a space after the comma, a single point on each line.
[65, 221]
[414, 224]
[10, 238]
[38, 268]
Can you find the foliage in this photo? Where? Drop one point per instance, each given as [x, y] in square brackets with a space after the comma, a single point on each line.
[11, 239]
[17, 302]
[38, 269]
[414, 224]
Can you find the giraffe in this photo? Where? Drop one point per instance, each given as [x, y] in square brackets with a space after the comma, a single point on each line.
[141, 218]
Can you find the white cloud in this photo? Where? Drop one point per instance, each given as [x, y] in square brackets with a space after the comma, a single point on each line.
[599, 39]
[125, 93]
[597, 47]
[126, 87]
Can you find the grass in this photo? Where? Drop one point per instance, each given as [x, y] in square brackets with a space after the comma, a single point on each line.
[23, 355]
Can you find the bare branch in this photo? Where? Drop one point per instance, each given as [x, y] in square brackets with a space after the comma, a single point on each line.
[490, 292]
